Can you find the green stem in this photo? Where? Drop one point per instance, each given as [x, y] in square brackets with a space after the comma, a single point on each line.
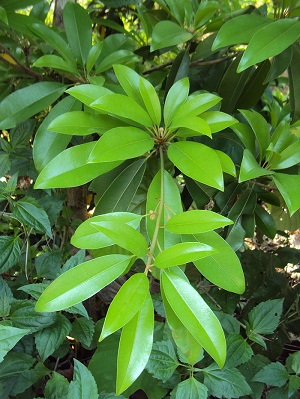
[159, 213]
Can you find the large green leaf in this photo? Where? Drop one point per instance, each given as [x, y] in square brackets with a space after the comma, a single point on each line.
[89, 237]
[196, 221]
[151, 101]
[124, 235]
[88, 93]
[223, 267]
[198, 162]
[123, 106]
[9, 336]
[130, 81]
[121, 143]
[71, 168]
[81, 282]
[218, 120]
[55, 62]
[177, 95]
[83, 385]
[78, 27]
[194, 313]
[289, 186]
[226, 163]
[135, 346]
[269, 41]
[182, 253]
[239, 30]
[192, 126]
[126, 304]
[48, 144]
[10, 252]
[290, 156]
[250, 169]
[26, 102]
[168, 33]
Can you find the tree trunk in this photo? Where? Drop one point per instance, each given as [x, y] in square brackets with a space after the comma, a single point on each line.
[58, 12]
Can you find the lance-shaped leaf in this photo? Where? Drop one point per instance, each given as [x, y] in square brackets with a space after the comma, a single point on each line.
[70, 168]
[88, 93]
[81, 282]
[195, 105]
[116, 57]
[269, 41]
[185, 341]
[55, 62]
[218, 120]
[125, 304]
[226, 163]
[250, 169]
[197, 125]
[290, 156]
[123, 106]
[121, 143]
[82, 123]
[130, 81]
[125, 236]
[24, 103]
[194, 313]
[196, 221]
[177, 95]
[223, 267]
[135, 346]
[198, 162]
[182, 253]
[89, 237]
[289, 186]
[168, 33]
[9, 336]
[151, 101]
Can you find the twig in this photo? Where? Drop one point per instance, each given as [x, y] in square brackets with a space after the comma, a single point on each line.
[266, 186]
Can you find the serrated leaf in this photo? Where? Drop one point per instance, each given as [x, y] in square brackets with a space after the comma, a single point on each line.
[289, 186]
[50, 338]
[82, 281]
[194, 313]
[198, 162]
[191, 389]
[163, 361]
[83, 385]
[182, 253]
[121, 143]
[125, 236]
[250, 169]
[9, 336]
[264, 318]
[57, 387]
[83, 330]
[238, 350]
[274, 374]
[269, 41]
[125, 304]
[196, 221]
[168, 33]
[135, 346]
[10, 252]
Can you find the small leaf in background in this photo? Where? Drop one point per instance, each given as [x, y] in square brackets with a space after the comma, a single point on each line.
[57, 387]
[10, 252]
[9, 336]
[74, 260]
[238, 350]
[289, 186]
[190, 389]
[264, 318]
[48, 264]
[196, 221]
[125, 304]
[83, 385]
[81, 282]
[182, 253]
[168, 33]
[227, 383]
[163, 360]
[265, 222]
[135, 346]
[274, 374]
[83, 330]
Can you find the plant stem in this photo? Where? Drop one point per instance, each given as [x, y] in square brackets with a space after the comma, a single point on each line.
[159, 213]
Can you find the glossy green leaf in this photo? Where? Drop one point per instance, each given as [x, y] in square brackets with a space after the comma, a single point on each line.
[177, 10]
[130, 82]
[71, 168]
[121, 189]
[123, 106]
[93, 55]
[264, 318]
[48, 144]
[290, 156]
[172, 205]
[239, 30]
[280, 137]
[28, 101]
[89, 237]
[269, 41]
[182, 253]
[117, 57]
[78, 28]
[88, 93]
[223, 267]
[135, 346]
[191, 389]
[168, 33]
[226, 163]
[82, 123]
[289, 186]
[205, 12]
[9, 336]
[250, 169]
[151, 101]
[124, 235]
[195, 105]
[3, 16]
[218, 120]
[194, 313]
[177, 95]
[265, 222]
[195, 124]
[121, 143]
[55, 62]
[179, 69]
[81, 282]
[246, 135]
[196, 221]
[10, 252]
[126, 304]
[83, 385]
[198, 162]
